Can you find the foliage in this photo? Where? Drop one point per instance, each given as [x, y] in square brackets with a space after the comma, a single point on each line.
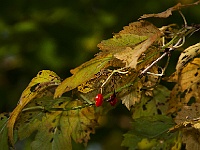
[57, 113]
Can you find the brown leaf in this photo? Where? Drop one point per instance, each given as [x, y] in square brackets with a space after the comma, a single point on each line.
[130, 55]
[186, 120]
[134, 96]
[169, 11]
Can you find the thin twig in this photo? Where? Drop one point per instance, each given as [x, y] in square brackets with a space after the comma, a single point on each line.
[161, 57]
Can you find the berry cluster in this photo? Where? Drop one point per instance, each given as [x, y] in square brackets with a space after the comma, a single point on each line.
[99, 100]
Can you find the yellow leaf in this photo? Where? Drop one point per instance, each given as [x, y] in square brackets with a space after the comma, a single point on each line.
[36, 88]
[187, 55]
[187, 87]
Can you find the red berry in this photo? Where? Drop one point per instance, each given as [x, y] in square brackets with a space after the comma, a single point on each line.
[99, 100]
[113, 102]
[112, 99]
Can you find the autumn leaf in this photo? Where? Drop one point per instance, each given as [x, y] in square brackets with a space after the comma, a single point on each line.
[187, 87]
[82, 74]
[188, 122]
[129, 44]
[152, 105]
[134, 95]
[38, 87]
[188, 54]
[169, 11]
[63, 121]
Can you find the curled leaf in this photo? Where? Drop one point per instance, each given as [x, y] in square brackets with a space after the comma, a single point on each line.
[188, 54]
[169, 11]
[38, 86]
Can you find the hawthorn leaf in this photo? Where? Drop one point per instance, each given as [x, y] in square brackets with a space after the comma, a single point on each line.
[148, 132]
[121, 41]
[62, 121]
[188, 86]
[130, 55]
[134, 95]
[153, 105]
[38, 87]
[188, 122]
[82, 74]
[169, 11]
[188, 54]
[131, 141]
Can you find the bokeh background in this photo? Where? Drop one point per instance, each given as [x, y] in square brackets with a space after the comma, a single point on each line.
[60, 35]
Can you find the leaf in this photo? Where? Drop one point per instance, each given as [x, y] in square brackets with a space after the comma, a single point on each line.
[187, 87]
[38, 86]
[188, 122]
[188, 54]
[119, 41]
[153, 105]
[131, 141]
[169, 11]
[131, 42]
[63, 121]
[131, 55]
[153, 130]
[134, 95]
[82, 74]
[4, 131]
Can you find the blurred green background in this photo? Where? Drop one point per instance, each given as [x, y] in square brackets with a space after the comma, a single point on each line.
[60, 35]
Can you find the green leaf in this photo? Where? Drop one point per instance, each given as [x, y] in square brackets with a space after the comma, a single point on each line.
[4, 131]
[149, 131]
[152, 126]
[131, 141]
[157, 104]
[82, 74]
[121, 40]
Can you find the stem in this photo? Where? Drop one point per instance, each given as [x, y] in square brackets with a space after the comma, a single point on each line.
[161, 57]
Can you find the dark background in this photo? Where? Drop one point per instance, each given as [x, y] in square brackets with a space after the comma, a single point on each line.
[60, 35]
